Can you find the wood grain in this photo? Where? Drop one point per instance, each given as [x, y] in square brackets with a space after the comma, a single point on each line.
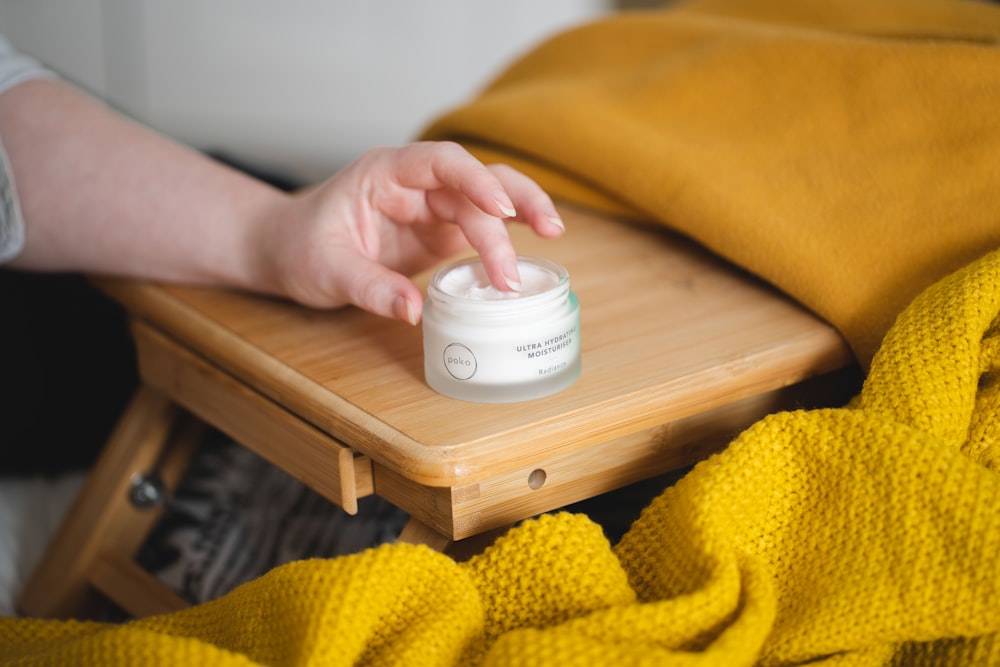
[301, 450]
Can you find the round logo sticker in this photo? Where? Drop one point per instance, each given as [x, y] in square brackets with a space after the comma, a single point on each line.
[459, 361]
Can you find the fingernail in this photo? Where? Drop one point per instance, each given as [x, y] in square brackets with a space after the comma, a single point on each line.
[504, 203]
[511, 276]
[404, 307]
[557, 221]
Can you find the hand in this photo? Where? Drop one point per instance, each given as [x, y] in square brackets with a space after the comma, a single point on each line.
[393, 212]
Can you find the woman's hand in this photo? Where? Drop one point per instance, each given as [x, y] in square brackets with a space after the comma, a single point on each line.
[393, 212]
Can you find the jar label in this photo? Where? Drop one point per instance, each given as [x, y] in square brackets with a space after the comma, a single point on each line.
[459, 361]
[493, 361]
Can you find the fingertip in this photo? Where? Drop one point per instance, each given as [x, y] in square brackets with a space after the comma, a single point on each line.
[504, 203]
[511, 275]
[547, 225]
[406, 310]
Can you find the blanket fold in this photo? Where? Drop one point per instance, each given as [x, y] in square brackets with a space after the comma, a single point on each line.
[844, 151]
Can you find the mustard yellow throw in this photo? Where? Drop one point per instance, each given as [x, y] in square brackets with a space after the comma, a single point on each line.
[867, 535]
[844, 150]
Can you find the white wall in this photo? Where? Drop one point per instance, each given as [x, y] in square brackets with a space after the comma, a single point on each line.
[305, 85]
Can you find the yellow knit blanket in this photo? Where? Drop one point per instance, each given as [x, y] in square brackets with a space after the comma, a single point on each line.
[866, 535]
[845, 150]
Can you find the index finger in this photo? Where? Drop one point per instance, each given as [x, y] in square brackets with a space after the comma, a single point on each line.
[487, 234]
[431, 165]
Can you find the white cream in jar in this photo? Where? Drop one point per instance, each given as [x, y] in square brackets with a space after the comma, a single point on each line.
[485, 345]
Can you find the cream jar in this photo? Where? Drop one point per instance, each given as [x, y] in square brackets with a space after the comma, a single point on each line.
[485, 345]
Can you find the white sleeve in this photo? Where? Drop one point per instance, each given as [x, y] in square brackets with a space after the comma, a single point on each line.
[15, 68]
[11, 222]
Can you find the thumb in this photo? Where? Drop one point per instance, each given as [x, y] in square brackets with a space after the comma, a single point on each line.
[379, 290]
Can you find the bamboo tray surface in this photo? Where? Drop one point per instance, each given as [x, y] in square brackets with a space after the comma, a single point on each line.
[667, 331]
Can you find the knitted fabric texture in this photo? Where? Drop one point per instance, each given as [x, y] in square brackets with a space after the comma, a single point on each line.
[866, 535]
[844, 150]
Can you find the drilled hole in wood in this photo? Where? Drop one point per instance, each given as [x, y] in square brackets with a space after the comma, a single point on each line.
[536, 479]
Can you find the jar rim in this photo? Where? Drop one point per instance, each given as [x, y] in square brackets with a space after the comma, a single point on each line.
[559, 275]
[557, 271]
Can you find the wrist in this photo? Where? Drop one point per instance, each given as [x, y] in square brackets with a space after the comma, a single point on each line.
[258, 264]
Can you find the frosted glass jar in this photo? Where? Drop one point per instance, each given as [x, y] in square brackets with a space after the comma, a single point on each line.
[488, 346]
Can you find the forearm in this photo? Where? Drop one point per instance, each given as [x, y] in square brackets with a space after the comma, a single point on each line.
[102, 194]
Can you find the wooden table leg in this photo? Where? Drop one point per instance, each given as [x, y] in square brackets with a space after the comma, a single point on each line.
[417, 532]
[103, 519]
